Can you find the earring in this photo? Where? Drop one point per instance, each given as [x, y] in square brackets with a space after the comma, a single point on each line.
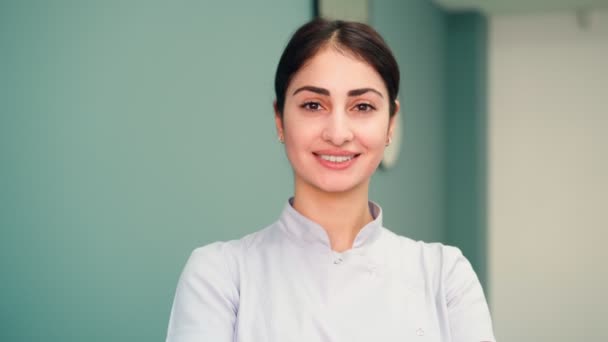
[389, 141]
[281, 139]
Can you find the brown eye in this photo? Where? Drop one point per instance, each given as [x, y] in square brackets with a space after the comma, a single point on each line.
[312, 106]
[364, 107]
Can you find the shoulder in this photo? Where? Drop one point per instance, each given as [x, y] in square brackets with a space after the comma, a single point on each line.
[446, 273]
[430, 253]
[225, 256]
[440, 265]
[207, 297]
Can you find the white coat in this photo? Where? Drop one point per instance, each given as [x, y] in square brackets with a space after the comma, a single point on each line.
[284, 283]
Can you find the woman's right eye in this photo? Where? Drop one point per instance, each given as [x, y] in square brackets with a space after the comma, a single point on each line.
[312, 106]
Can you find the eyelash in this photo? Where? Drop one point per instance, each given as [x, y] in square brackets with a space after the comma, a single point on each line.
[307, 106]
[366, 106]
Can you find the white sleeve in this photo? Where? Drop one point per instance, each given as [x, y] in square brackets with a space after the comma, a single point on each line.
[206, 299]
[468, 311]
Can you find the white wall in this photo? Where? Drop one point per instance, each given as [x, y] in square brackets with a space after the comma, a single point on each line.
[519, 6]
[548, 177]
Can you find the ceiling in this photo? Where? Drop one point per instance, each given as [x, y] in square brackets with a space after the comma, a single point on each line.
[520, 6]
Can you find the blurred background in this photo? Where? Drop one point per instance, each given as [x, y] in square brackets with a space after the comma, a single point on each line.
[132, 132]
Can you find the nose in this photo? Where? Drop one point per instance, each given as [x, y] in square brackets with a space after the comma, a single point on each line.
[337, 129]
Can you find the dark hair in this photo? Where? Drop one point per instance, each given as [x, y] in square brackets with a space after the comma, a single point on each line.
[359, 39]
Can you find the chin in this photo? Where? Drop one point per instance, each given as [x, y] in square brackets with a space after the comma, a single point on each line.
[337, 185]
[334, 181]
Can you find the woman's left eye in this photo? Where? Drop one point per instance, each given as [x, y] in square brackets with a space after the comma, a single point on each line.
[364, 107]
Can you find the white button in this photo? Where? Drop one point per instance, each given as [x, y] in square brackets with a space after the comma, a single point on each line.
[420, 332]
[338, 261]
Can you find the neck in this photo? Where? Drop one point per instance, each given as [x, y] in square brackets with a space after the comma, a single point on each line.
[341, 214]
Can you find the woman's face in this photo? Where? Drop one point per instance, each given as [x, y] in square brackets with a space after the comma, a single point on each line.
[335, 122]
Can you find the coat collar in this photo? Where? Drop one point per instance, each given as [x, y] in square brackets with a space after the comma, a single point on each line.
[306, 231]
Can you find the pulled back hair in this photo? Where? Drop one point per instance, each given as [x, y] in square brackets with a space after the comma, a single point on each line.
[358, 39]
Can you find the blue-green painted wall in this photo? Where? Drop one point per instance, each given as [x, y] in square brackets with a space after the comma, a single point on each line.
[439, 192]
[130, 131]
[466, 141]
[413, 192]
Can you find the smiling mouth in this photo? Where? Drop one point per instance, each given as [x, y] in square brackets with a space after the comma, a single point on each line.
[337, 159]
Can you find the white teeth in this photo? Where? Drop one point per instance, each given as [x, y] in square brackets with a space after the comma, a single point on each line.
[335, 159]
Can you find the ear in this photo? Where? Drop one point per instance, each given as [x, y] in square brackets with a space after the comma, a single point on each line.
[392, 121]
[278, 121]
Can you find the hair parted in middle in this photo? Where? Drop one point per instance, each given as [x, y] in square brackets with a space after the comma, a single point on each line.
[357, 39]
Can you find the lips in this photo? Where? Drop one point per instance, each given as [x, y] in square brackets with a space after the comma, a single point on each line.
[336, 159]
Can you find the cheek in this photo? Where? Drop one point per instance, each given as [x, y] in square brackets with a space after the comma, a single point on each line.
[299, 136]
[373, 135]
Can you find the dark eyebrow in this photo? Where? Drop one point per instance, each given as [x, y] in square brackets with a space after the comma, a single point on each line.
[323, 91]
[357, 92]
[317, 90]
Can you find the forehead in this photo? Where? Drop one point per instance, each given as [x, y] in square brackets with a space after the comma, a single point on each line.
[338, 72]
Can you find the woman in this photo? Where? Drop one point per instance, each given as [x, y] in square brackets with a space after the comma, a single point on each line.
[327, 270]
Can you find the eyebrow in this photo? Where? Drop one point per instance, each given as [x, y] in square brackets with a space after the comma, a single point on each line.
[323, 91]
[357, 92]
[317, 90]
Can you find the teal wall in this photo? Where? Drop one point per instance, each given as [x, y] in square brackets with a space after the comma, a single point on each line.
[439, 192]
[130, 130]
[466, 131]
[413, 192]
